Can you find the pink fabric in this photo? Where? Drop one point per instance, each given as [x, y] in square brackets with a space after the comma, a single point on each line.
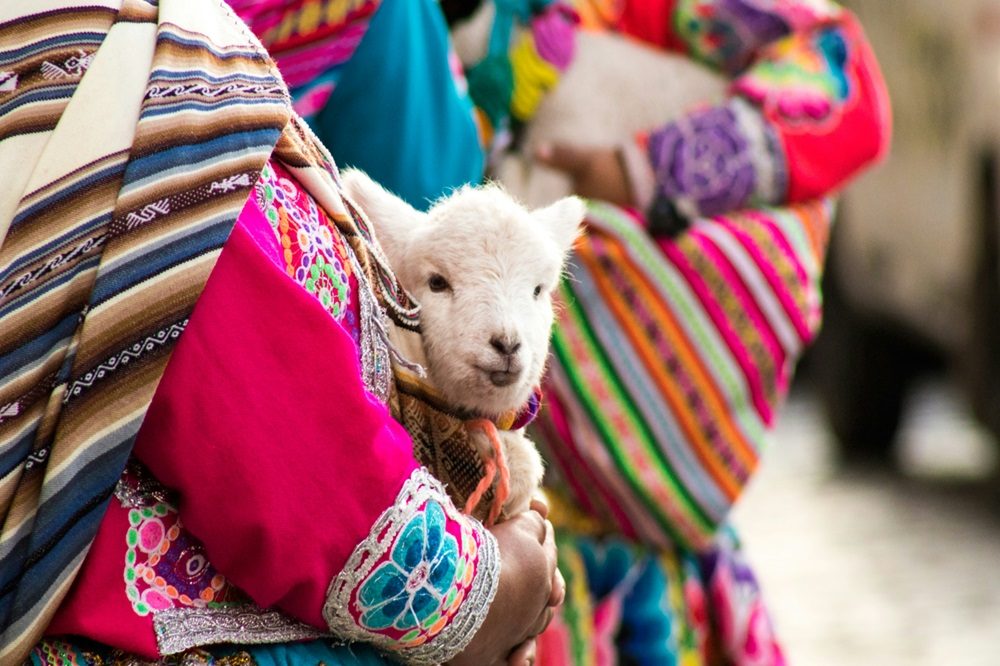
[236, 387]
[304, 40]
[803, 319]
[96, 606]
[554, 32]
[555, 419]
[861, 131]
[555, 644]
[256, 227]
[261, 424]
[607, 621]
[302, 67]
[743, 293]
[789, 258]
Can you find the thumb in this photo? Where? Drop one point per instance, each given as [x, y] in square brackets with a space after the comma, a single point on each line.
[570, 159]
[524, 654]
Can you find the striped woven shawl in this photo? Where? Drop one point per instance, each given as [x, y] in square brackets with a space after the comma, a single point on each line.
[131, 133]
[670, 360]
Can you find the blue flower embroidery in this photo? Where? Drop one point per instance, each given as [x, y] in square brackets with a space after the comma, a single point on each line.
[406, 590]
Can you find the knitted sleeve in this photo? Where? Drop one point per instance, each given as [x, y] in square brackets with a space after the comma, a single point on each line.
[803, 79]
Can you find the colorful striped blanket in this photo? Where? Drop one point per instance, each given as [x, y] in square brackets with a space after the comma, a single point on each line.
[670, 359]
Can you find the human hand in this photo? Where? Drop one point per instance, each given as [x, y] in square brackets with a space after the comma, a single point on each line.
[597, 173]
[530, 589]
[540, 503]
[524, 654]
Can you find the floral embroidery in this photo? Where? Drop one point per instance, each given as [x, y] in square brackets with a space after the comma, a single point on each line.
[421, 579]
[314, 254]
[165, 567]
[421, 582]
[802, 80]
[728, 33]
[168, 577]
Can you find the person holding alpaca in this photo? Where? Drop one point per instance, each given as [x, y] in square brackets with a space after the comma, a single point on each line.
[199, 463]
[647, 583]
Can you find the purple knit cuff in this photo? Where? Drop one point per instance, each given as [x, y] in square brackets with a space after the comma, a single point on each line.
[718, 159]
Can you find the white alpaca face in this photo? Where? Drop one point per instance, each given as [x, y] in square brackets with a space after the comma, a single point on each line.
[483, 269]
[483, 275]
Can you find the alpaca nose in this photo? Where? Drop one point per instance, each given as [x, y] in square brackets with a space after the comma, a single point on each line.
[505, 344]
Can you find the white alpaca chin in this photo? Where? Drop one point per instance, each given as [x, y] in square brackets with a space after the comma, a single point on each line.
[483, 269]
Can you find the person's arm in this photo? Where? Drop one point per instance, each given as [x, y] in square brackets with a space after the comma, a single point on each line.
[305, 491]
[807, 109]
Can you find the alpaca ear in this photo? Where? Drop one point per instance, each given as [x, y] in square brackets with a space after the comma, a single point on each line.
[563, 220]
[393, 220]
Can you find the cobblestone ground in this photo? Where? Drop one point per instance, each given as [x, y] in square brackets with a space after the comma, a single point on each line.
[868, 568]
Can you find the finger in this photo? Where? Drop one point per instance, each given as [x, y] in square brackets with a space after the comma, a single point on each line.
[524, 654]
[558, 593]
[539, 504]
[537, 524]
[549, 540]
[542, 622]
[560, 156]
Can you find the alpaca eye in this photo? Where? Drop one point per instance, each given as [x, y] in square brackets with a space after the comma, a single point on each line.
[437, 283]
[538, 291]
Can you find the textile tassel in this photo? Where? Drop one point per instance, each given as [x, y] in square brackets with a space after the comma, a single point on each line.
[533, 77]
[397, 356]
[493, 465]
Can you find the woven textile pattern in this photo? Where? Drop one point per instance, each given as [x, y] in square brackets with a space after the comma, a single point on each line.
[670, 359]
[104, 260]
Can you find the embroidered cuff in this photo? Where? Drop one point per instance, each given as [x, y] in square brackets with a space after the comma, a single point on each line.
[420, 585]
[765, 152]
[717, 160]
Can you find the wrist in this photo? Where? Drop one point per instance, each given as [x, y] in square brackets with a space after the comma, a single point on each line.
[423, 581]
[639, 175]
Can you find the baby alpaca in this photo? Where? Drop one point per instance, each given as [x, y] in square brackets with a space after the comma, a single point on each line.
[483, 269]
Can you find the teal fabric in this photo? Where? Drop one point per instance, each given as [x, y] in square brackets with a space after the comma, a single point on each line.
[647, 631]
[397, 112]
[312, 653]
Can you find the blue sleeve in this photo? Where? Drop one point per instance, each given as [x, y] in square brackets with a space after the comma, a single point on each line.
[397, 111]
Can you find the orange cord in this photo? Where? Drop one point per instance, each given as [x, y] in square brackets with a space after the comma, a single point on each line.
[482, 487]
[494, 464]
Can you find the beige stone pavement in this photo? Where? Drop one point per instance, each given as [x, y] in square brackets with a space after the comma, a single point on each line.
[874, 569]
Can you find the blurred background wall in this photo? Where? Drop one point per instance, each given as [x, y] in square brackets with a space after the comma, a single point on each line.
[875, 521]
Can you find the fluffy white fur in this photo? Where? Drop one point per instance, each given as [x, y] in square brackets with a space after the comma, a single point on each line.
[483, 269]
